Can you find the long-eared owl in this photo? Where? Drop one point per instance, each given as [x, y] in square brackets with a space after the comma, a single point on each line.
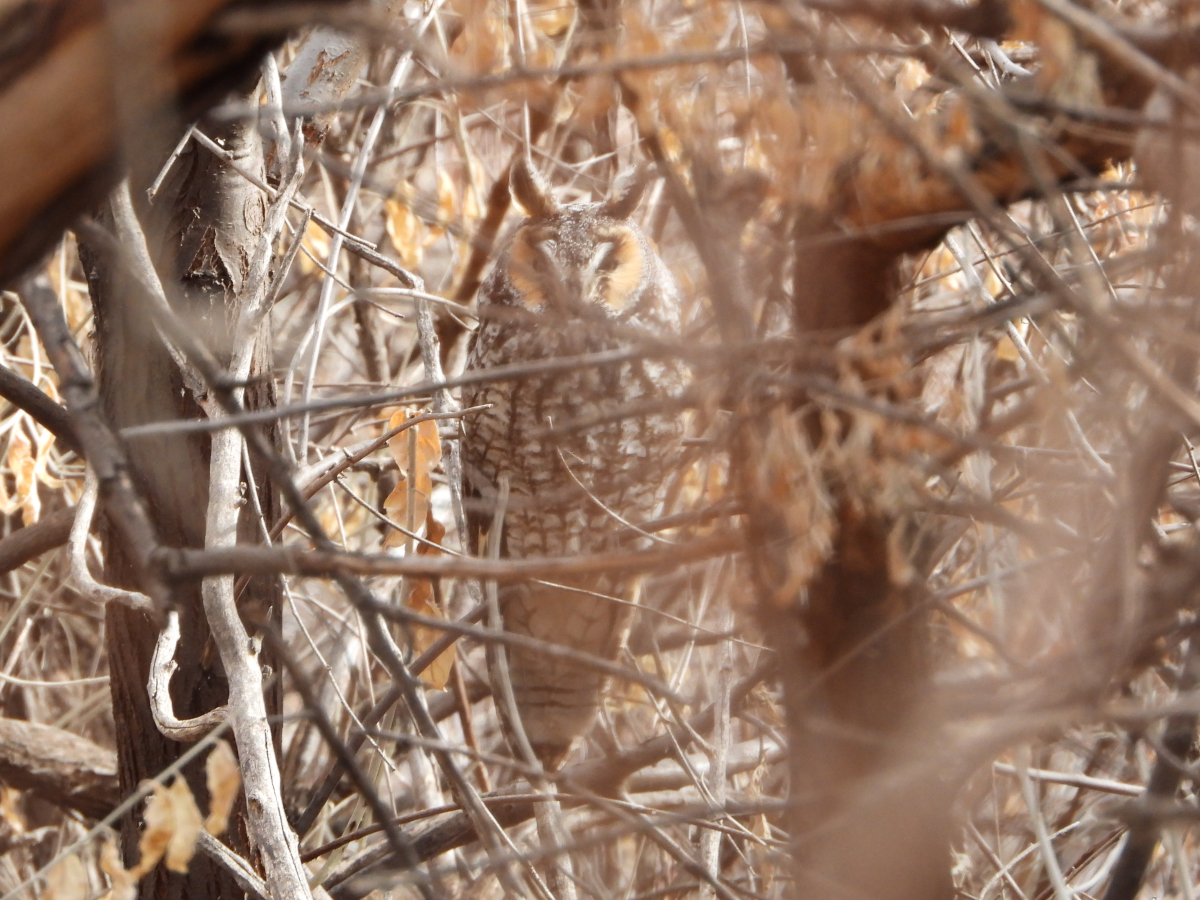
[588, 451]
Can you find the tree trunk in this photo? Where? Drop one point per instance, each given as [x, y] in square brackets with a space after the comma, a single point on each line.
[200, 228]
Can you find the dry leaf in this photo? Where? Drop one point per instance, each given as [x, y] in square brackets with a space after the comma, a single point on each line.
[472, 207]
[224, 782]
[447, 194]
[407, 233]
[41, 467]
[1066, 73]
[483, 42]
[45, 441]
[172, 826]
[9, 800]
[316, 242]
[67, 881]
[1166, 160]
[160, 825]
[428, 455]
[24, 469]
[595, 100]
[552, 18]
[420, 600]
[396, 507]
[447, 204]
[429, 445]
[188, 822]
[124, 882]
[1006, 349]
[426, 448]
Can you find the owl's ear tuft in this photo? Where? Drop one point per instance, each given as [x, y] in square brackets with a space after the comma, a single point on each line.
[627, 193]
[529, 188]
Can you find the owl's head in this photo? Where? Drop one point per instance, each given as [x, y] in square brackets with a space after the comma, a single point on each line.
[576, 256]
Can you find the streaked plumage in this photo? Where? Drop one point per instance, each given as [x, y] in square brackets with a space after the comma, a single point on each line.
[574, 280]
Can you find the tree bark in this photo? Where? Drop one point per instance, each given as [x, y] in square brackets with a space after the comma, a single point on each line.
[58, 766]
[60, 70]
[204, 219]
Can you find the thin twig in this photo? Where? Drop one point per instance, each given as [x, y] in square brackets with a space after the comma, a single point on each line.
[162, 707]
[77, 553]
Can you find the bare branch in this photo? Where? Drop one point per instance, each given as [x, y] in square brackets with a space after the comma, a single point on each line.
[77, 546]
[59, 767]
[104, 452]
[162, 667]
[183, 563]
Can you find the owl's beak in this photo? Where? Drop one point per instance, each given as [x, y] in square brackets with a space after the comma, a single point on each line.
[563, 288]
[570, 288]
[590, 278]
[589, 285]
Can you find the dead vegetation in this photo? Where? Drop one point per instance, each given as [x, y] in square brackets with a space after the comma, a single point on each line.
[919, 612]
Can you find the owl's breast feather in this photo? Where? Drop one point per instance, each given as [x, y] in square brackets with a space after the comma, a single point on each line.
[568, 451]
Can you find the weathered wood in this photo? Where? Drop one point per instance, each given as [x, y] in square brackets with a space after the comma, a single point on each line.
[59, 767]
[45, 410]
[33, 540]
[196, 236]
[59, 65]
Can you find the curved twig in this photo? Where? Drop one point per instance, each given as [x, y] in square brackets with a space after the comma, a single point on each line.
[77, 553]
[162, 667]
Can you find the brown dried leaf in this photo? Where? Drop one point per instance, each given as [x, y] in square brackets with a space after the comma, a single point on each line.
[1066, 73]
[67, 881]
[224, 782]
[407, 233]
[187, 825]
[447, 197]
[172, 827]
[552, 18]
[429, 445]
[421, 600]
[316, 242]
[41, 467]
[396, 507]
[124, 882]
[483, 42]
[428, 455]
[911, 76]
[594, 101]
[1006, 350]
[639, 38]
[788, 476]
[160, 825]
[10, 798]
[24, 469]
[8, 505]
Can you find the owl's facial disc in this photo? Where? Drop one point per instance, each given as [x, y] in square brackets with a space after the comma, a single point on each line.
[545, 272]
[603, 261]
[528, 269]
[615, 269]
